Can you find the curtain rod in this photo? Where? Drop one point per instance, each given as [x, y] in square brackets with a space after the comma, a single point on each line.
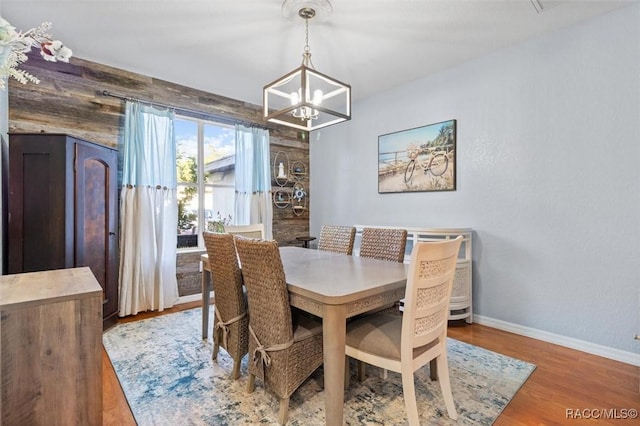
[187, 111]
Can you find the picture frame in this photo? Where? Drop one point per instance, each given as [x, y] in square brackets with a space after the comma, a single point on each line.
[422, 159]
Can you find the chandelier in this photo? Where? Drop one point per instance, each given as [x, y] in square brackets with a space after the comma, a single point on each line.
[305, 98]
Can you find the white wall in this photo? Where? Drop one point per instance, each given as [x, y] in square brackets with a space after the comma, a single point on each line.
[548, 151]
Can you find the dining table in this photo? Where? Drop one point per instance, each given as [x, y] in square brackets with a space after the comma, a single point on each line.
[334, 287]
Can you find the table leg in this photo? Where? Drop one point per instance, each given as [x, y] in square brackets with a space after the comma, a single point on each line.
[206, 279]
[334, 328]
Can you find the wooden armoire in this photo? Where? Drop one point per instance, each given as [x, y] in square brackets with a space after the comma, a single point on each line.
[63, 209]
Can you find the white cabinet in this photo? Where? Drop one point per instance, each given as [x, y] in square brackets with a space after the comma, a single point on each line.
[461, 296]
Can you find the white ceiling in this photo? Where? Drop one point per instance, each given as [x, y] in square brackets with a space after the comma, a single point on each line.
[233, 48]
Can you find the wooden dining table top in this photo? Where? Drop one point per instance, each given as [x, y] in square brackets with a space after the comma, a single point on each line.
[335, 278]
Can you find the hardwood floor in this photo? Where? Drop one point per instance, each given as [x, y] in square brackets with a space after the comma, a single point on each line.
[565, 379]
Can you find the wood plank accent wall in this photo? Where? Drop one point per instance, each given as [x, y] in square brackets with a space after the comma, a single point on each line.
[69, 100]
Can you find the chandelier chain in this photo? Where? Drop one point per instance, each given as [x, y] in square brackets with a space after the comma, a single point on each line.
[306, 55]
[306, 35]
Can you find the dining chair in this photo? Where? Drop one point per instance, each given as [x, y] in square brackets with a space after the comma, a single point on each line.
[337, 239]
[231, 321]
[252, 231]
[406, 343]
[284, 349]
[383, 244]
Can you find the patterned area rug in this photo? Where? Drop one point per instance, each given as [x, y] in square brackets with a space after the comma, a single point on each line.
[169, 378]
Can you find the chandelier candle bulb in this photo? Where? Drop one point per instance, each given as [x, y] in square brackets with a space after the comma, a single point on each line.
[317, 97]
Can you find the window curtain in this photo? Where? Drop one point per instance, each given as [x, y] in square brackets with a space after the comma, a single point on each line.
[253, 178]
[148, 211]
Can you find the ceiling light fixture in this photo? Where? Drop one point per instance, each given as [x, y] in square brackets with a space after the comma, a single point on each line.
[304, 98]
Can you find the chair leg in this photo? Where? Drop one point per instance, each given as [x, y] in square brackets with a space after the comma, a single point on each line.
[216, 348]
[347, 373]
[362, 368]
[284, 411]
[433, 370]
[251, 383]
[409, 395]
[236, 369]
[445, 385]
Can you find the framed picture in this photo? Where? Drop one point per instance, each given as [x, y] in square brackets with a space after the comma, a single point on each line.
[417, 160]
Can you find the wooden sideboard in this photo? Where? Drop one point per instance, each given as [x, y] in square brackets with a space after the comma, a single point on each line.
[51, 348]
[461, 305]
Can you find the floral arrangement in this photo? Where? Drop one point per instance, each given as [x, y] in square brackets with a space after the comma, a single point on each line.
[14, 46]
[218, 225]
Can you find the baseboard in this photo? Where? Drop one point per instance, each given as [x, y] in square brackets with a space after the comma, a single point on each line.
[581, 345]
[191, 298]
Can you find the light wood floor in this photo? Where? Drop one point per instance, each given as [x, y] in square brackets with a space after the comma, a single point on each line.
[564, 379]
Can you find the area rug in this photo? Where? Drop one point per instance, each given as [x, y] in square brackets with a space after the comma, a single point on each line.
[169, 378]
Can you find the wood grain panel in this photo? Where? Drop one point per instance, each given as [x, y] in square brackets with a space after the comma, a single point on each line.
[51, 335]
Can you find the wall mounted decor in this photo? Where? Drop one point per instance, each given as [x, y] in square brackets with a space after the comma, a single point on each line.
[419, 159]
[289, 190]
[299, 194]
[281, 194]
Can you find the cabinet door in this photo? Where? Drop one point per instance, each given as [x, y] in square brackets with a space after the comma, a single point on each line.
[37, 204]
[96, 221]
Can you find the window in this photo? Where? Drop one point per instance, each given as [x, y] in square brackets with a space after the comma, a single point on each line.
[205, 169]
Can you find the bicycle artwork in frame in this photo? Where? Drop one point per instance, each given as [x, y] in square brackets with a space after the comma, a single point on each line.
[419, 159]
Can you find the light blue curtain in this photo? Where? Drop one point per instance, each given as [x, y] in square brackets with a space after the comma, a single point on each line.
[253, 178]
[148, 211]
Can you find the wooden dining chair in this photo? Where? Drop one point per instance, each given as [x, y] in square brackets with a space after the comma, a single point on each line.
[406, 343]
[284, 351]
[251, 231]
[337, 239]
[231, 320]
[383, 244]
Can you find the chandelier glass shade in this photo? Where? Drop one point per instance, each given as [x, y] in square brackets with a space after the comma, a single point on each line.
[305, 98]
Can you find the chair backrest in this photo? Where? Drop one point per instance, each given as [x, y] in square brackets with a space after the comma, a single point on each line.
[225, 273]
[250, 231]
[383, 244]
[337, 239]
[429, 283]
[267, 294]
